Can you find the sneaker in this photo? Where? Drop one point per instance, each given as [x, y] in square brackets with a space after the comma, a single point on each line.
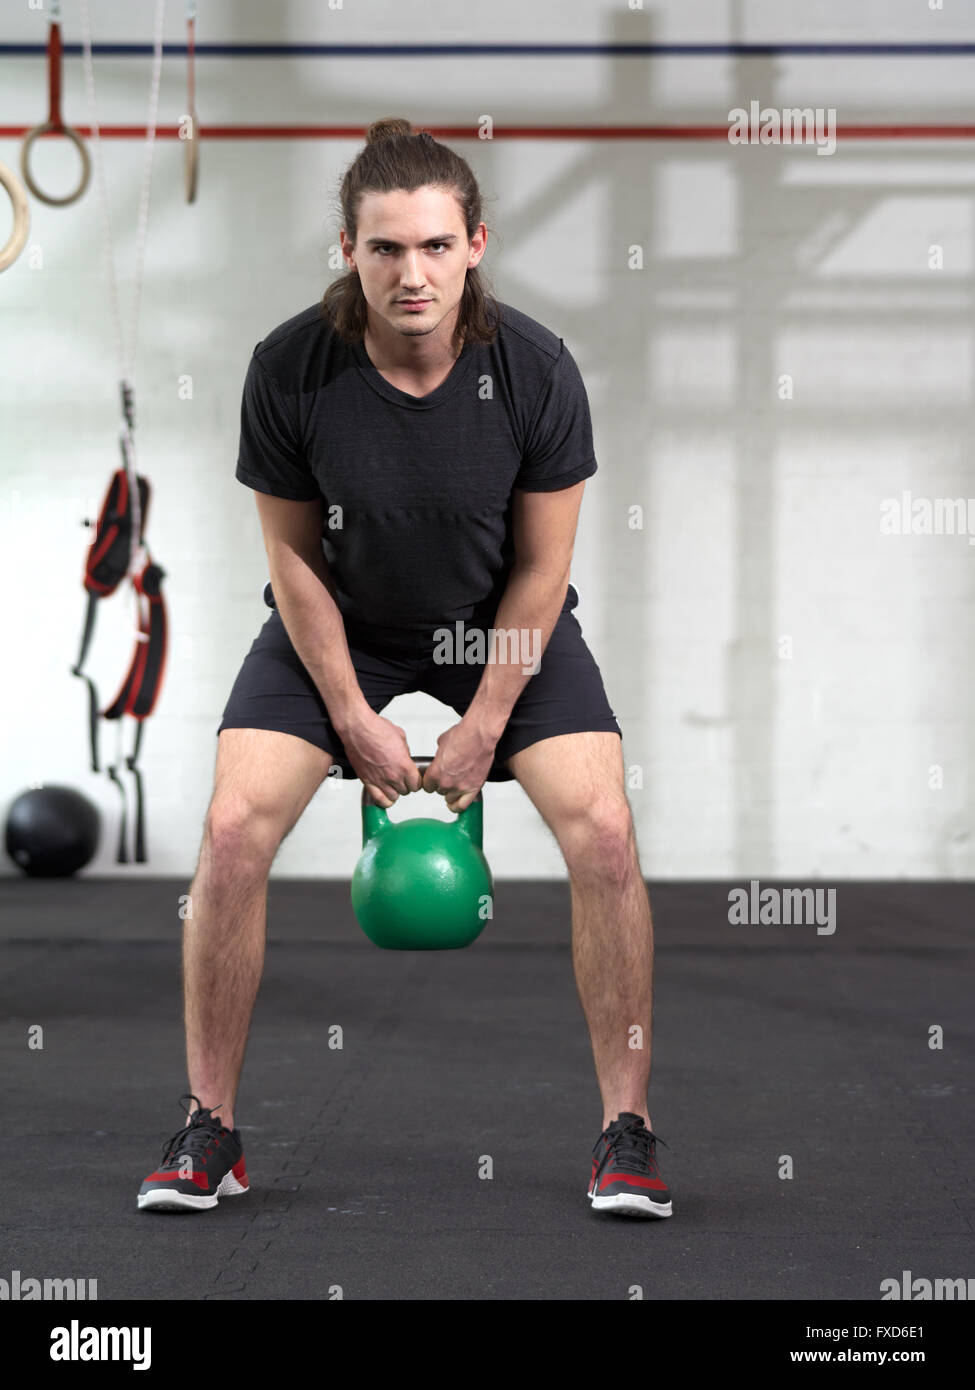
[625, 1177]
[201, 1163]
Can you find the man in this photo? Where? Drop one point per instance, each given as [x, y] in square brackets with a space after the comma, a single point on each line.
[418, 453]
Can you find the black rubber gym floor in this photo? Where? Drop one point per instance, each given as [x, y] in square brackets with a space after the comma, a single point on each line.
[365, 1160]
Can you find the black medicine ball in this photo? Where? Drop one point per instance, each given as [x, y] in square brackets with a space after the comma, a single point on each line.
[52, 832]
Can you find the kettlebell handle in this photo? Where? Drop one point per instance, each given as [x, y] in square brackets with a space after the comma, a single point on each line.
[422, 764]
[470, 821]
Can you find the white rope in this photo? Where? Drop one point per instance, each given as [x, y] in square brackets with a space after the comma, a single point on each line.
[126, 360]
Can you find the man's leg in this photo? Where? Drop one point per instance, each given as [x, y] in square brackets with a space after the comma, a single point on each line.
[576, 783]
[263, 782]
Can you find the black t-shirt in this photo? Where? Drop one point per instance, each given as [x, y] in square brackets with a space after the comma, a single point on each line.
[417, 490]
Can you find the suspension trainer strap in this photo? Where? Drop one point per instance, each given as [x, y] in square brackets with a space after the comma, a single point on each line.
[119, 550]
[106, 566]
[140, 825]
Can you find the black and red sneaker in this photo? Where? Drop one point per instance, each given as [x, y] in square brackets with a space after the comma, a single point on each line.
[625, 1177]
[203, 1162]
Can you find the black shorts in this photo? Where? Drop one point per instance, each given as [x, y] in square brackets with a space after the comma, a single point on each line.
[273, 690]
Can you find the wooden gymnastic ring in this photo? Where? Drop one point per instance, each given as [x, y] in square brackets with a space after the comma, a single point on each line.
[18, 200]
[79, 144]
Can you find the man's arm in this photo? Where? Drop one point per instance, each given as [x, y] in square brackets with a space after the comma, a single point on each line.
[304, 593]
[543, 532]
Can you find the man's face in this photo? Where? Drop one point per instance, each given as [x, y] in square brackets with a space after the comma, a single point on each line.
[412, 256]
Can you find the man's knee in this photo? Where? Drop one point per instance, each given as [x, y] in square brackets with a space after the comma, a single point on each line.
[597, 838]
[241, 838]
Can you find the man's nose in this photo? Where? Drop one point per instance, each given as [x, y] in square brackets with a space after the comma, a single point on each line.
[413, 274]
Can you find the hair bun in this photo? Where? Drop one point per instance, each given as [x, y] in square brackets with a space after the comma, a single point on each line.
[388, 129]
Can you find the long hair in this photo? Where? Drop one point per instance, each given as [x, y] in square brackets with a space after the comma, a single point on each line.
[398, 157]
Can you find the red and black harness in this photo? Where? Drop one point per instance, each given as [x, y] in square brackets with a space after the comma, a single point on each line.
[118, 551]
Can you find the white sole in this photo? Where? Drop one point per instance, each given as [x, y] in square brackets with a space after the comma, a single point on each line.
[161, 1200]
[623, 1204]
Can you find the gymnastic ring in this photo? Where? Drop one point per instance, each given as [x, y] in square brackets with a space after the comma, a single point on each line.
[75, 138]
[18, 200]
[192, 160]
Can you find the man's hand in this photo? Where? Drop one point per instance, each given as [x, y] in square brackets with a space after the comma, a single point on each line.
[463, 760]
[380, 756]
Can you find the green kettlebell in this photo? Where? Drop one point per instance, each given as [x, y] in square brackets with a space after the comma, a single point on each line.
[424, 884]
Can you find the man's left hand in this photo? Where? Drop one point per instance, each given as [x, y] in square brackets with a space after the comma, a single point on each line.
[462, 763]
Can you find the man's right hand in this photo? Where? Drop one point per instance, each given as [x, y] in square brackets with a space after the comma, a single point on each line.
[380, 755]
